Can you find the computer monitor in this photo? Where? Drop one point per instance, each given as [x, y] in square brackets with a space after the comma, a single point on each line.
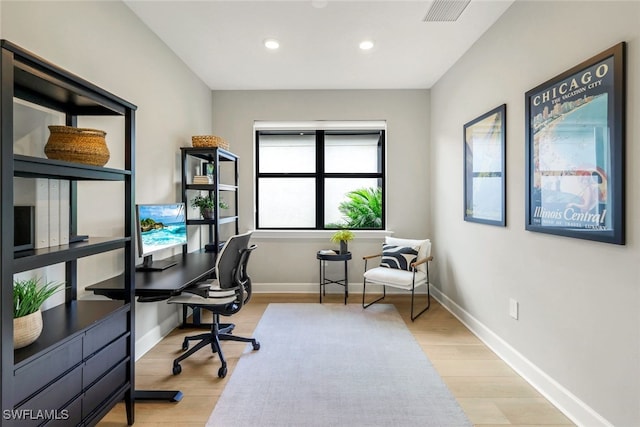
[159, 226]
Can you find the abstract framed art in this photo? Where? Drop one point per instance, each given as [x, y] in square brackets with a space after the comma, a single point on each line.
[484, 168]
[575, 131]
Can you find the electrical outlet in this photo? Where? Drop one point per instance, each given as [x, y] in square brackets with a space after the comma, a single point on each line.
[513, 308]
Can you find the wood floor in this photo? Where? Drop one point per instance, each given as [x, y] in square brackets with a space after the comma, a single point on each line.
[490, 393]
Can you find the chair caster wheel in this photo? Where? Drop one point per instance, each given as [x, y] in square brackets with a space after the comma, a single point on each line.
[256, 345]
[177, 369]
[222, 372]
[185, 345]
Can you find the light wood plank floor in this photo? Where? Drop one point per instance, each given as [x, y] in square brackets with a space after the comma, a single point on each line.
[489, 391]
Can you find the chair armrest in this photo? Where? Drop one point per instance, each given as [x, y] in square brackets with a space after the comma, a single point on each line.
[421, 261]
[201, 289]
[366, 259]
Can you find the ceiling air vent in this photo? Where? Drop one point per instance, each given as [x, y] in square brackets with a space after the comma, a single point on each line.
[445, 10]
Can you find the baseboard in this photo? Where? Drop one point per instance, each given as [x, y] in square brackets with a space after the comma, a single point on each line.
[155, 335]
[310, 288]
[575, 409]
[290, 288]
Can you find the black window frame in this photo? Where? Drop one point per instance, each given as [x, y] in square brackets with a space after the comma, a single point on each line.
[320, 175]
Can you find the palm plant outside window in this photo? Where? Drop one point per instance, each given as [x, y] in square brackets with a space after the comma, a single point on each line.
[320, 179]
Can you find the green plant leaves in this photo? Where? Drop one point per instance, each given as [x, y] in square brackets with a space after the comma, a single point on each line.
[363, 208]
[29, 295]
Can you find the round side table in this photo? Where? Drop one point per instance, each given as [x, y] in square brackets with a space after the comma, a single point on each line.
[323, 259]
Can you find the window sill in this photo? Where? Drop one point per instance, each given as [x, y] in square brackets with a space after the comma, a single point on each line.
[316, 234]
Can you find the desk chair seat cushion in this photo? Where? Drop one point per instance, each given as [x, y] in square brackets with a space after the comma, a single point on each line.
[205, 293]
[394, 277]
[423, 248]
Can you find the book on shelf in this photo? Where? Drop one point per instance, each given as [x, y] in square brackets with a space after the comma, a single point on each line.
[65, 194]
[42, 213]
[54, 212]
[202, 179]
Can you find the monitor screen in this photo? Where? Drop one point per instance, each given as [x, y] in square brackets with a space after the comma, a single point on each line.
[159, 226]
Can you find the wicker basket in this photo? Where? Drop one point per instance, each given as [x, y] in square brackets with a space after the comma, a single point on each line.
[79, 145]
[202, 141]
[27, 329]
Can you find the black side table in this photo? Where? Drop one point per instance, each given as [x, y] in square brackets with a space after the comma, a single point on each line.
[323, 258]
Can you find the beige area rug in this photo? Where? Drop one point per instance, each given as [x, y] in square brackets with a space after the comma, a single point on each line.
[335, 365]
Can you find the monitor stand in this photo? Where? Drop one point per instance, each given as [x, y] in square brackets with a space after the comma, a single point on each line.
[148, 264]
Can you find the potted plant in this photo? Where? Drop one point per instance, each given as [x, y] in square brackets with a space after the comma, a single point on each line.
[342, 237]
[28, 296]
[205, 205]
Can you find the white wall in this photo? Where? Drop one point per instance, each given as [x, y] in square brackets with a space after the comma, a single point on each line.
[291, 261]
[106, 44]
[579, 325]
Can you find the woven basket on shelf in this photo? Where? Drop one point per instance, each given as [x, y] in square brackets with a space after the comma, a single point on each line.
[79, 145]
[27, 329]
[202, 141]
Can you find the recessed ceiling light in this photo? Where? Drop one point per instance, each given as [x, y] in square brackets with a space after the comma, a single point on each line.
[271, 44]
[366, 45]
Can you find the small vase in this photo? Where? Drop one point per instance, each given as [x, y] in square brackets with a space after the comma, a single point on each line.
[343, 247]
[207, 213]
[27, 329]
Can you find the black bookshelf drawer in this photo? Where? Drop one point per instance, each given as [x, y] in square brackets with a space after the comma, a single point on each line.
[71, 415]
[104, 388]
[104, 360]
[46, 368]
[105, 332]
[53, 398]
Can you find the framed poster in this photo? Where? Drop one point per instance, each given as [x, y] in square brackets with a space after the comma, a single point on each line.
[575, 131]
[484, 168]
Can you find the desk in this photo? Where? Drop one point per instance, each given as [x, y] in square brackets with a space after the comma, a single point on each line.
[323, 258]
[151, 286]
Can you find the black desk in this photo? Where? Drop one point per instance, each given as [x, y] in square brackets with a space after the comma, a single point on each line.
[151, 286]
[158, 285]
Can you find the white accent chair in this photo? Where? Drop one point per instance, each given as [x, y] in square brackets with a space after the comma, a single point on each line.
[404, 264]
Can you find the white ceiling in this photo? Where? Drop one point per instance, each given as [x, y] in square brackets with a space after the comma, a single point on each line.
[222, 41]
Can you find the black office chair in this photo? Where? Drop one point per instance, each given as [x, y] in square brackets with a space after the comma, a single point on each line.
[225, 295]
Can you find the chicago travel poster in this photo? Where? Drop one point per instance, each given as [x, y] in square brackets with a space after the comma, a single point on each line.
[572, 150]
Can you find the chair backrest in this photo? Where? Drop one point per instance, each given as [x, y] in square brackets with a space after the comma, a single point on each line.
[241, 277]
[229, 266]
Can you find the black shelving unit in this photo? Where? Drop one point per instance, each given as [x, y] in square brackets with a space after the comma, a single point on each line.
[83, 363]
[219, 158]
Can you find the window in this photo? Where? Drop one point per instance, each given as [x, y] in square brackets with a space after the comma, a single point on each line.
[320, 178]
